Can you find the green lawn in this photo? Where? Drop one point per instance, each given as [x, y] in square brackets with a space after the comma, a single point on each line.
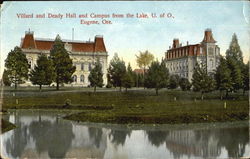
[135, 106]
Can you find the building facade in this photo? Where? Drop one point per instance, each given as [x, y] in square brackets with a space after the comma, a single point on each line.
[181, 60]
[83, 53]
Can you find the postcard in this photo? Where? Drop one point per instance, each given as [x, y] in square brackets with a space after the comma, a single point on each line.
[124, 79]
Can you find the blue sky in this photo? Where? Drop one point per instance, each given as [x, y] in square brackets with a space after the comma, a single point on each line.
[129, 36]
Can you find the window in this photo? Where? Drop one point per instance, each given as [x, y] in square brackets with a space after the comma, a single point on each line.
[74, 78]
[82, 66]
[82, 78]
[210, 51]
[90, 67]
[29, 64]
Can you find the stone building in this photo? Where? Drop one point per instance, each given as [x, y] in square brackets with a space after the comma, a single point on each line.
[181, 59]
[83, 53]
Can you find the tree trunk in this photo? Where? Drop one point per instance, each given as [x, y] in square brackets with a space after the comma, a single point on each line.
[156, 91]
[144, 77]
[57, 84]
[95, 89]
[15, 85]
[202, 96]
[221, 97]
[126, 89]
[40, 87]
[120, 88]
[227, 94]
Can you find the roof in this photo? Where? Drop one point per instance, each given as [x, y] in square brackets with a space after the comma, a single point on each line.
[29, 42]
[140, 71]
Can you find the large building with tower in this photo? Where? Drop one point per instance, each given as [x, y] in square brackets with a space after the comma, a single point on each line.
[83, 53]
[181, 59]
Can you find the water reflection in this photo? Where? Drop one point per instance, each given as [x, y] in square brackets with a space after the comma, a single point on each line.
[43, 135]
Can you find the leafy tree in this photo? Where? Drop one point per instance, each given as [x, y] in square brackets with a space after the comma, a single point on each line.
[144, 59]
[63, 64]
[43, 73]
[128, 80]
[184, 84]
[174, 81]
[96, 76]
[6, 80]
[157, 76]
[202, 81]
[223, 78]
[245, 72]
[116, 71]
[17, 66]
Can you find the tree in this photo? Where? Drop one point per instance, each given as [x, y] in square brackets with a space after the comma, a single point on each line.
[184, 84]
[96, 76]
[116, 71]
[245, 72]
[157, 76]
[202, 81]
[17, 66]
[128, 80]
[236, 74]
[223, 78]
[6, 80]
[63, 64]
[144, 59]
[234, 51]
[43, 73]
[235, 63]
[174, 81]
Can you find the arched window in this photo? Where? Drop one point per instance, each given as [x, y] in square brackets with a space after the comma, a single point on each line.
[74, 78]
[82, 78]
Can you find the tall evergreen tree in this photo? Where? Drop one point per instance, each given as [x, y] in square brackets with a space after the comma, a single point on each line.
[17, 66]
[63, 64]
[223, 77]
[235, 63]
[116, 71]
[157, 76]
[43, 73]
[128, 80]
[96, 76]
[6, 80]
[202, 81]
[246, 78]
[234, 51]
[236, 73]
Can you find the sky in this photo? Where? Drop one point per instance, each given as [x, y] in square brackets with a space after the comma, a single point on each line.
[128, 36]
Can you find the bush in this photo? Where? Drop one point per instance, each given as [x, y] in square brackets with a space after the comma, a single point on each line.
[185, 84]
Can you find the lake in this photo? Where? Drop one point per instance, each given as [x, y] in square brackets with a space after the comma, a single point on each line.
[44, 134]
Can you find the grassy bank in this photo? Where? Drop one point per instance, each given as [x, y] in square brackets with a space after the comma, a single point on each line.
[137, 106]
[6, 126]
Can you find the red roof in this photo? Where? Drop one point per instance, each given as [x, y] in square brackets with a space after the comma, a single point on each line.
[140, 71]
[30, 43]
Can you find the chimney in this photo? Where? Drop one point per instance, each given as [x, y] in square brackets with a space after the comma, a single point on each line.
[175, 43]
[208, 36]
